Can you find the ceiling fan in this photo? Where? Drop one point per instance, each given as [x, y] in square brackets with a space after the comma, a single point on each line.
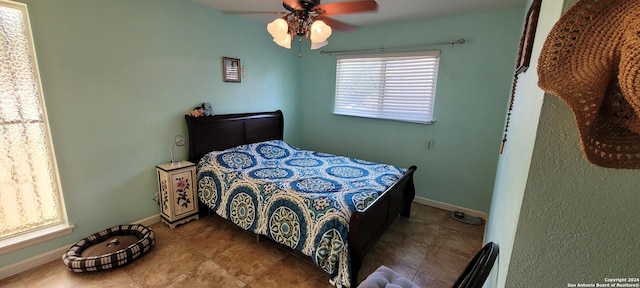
[309, 19]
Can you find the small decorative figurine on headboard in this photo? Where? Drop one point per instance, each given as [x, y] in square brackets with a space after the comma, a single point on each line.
[206, 109]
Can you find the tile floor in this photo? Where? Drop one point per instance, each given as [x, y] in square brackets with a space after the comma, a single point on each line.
[429, 248]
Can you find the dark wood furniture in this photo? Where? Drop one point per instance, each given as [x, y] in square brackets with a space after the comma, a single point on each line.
[477, 271]
[221, 132]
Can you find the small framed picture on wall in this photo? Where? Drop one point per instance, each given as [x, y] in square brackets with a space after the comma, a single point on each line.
[526, 41]
[231, 69]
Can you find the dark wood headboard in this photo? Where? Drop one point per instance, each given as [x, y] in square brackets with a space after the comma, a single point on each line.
[219, 132]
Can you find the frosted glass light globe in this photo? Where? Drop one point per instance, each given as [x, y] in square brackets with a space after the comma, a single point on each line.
[320, 31]
[278, 29]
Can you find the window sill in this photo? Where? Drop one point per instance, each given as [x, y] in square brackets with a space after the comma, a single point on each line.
[33, 238]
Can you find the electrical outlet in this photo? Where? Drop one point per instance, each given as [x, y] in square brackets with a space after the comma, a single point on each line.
[156, 198]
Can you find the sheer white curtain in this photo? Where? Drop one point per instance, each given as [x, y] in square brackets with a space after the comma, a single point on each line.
[30, 197]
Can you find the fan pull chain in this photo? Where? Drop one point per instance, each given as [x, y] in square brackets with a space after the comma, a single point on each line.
[299, 47]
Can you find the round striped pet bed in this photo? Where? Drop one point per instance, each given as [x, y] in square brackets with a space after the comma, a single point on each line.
[110, 248]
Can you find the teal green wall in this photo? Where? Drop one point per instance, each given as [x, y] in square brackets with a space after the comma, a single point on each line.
[558, 218]
[119, 75]
[472, 97]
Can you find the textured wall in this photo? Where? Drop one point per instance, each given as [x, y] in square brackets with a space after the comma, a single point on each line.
[579, 222]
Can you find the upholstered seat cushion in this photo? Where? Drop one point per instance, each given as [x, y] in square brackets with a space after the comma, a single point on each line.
[387, 278]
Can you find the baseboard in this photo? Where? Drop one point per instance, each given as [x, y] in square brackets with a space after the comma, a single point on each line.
[149, 220]
[32, 262]
[450, 207]
[55, 254]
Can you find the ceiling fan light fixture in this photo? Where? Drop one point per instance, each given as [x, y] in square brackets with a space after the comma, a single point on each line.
[303, 19]
[320, 31]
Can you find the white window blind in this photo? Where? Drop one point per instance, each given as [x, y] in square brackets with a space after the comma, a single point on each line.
[30, 197]
[399, 86]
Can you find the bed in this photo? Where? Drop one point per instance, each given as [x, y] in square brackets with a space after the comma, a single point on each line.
[330, 208]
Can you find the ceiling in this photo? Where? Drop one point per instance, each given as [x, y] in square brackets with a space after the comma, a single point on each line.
[389, 11]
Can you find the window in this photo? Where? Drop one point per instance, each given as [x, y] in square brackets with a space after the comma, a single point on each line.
[30, 192]
[398, 86]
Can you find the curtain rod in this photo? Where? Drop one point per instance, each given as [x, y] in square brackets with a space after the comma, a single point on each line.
[383, 49]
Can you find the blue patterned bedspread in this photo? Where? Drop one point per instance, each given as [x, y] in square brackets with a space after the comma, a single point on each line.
[299, 198]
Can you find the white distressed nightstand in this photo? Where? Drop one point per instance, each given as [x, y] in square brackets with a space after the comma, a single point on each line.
[178, 199]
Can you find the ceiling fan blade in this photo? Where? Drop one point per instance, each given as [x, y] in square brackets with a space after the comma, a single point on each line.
[338, 25]
[347, 7]
[234, 12]
[292, 5]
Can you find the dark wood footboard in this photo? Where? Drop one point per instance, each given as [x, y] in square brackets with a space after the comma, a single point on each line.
[365, 227]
